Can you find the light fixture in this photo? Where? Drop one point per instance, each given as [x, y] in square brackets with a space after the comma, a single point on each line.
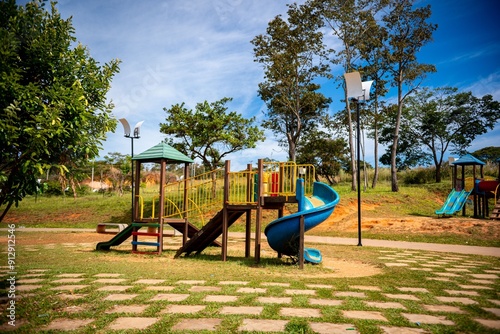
[135, 135]
[358, 91]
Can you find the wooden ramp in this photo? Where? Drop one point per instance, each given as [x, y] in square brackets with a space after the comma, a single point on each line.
[495, 214]
[209, 233]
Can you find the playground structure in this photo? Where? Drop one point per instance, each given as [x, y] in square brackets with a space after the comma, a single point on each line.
[478, 187]
[203, 207]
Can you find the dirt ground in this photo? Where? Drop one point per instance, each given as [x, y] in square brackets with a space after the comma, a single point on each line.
[345, 218]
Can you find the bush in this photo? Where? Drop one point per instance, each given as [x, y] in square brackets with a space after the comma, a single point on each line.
[419, 175]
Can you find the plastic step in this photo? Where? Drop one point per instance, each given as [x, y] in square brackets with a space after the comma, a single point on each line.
[145, 243]
[149, 234]
[145, 225]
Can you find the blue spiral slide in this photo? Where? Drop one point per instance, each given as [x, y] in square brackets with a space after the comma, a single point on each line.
[283, 234]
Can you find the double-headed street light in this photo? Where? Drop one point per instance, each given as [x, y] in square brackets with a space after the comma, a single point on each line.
[134, 135]
[359, 92]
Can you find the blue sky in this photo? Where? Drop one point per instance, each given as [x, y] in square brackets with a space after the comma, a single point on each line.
[176, 51]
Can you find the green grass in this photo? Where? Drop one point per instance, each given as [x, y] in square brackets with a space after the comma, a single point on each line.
[418, 201]
[47, 306]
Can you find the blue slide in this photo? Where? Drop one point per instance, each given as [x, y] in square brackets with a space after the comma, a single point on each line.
[283, 233]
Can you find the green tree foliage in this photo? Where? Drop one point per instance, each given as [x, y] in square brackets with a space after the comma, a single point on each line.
[53, 109]
[328, 156]
[442, 119]
[353, 24]
[209, 132]
[293, 56]
[408, 31]
[490, 154]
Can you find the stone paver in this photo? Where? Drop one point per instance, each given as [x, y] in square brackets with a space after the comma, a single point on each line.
[251, 290]
[198, 288]
[350, 294]
[253, 310]
[126, 323]
[28, 287]
[183, 309]
[413, 289]
[120, 296]
[171, 297]
[401, 330]
[110, 280]
[275, 284]
[220, 298]
[233, 283]
[365, 287]
[300, 312]
[209, 324]
[495, 311]
[461, 300]
[401, 296]
[367, 315]
[325, 302]
[68, 280]
[295, 292]
[462, 292]
[160, 288]
[127, 309]
[427, 319]
[71, 287]
[385, 305]
[115, 288]
[191, 282]
[443, 308]
[328, 328]
[107, 275]
[69, 275]
[263, 325]
[149, 281]
[495, 324]
[67, 324]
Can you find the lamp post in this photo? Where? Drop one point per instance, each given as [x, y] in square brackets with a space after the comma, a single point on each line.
[358, 91]
[134, 135]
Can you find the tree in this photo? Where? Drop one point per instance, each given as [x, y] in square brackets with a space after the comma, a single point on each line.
[490, 153]
[119, 167]
[292, 53]
[441, 119]
[328, 156]
[209, 132]
[408, 32]
[53, 109]
[352, 23]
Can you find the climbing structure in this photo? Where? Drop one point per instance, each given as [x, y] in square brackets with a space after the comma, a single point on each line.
[203, 207]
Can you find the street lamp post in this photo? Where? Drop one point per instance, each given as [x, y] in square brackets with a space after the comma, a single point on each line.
[358, 91]
[134, 135]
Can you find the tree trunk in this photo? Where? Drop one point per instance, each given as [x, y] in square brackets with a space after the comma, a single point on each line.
[375, 149]
[351, 144]
[394, 149]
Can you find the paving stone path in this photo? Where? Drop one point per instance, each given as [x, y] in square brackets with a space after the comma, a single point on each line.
[246, 306]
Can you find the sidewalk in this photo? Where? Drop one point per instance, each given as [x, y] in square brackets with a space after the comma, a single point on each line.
[461, 249]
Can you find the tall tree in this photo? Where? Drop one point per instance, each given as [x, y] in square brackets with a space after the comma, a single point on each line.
[209, 132]
[441, 119]
[408, 31]
[350, 23]
[328, 156]
[53, 109]
[293, 56]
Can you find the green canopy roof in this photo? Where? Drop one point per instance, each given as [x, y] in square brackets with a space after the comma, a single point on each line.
[162, 151]
[468, 159]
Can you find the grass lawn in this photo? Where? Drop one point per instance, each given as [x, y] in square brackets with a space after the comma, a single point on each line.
[61, 278]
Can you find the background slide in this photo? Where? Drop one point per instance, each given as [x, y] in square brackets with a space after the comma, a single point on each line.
[283, 233]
